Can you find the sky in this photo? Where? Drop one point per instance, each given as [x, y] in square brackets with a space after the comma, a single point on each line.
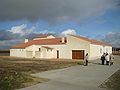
[96, 19]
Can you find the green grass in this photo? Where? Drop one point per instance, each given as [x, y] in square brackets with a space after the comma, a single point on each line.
[113, 83]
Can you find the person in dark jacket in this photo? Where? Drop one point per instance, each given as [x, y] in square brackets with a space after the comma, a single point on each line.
[103, 58]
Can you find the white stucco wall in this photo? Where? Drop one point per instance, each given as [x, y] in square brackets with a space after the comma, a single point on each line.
[30, 51]
[18, 52]
[97, 50]
[50, 53]
[78, 44]
[108, 49]
[29, 54]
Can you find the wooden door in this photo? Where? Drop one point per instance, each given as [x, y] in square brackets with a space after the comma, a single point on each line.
[77, 54]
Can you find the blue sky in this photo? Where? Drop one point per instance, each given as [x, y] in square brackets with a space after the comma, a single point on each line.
[90, 18]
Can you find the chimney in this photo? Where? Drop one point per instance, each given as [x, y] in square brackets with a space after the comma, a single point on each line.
[63, 39]
[26, 40]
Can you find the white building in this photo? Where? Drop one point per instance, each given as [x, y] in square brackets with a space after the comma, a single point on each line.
[70, 47]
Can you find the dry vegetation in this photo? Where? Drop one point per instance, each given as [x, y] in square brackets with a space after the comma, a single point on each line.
[113, 82]
[15, 72]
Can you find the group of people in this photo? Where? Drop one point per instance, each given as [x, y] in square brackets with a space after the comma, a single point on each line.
[107, 59]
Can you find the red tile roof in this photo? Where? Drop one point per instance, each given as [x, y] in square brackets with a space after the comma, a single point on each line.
[83, 38]
[47, 47]
[56, 41]
[53, 41]
[92, 41]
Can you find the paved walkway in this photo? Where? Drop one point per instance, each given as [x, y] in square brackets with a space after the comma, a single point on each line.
[76, 77]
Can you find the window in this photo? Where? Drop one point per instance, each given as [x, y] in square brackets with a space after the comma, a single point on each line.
[65, 41]
[39, 49]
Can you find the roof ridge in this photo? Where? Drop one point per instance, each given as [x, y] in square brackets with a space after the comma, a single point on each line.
[51, 41]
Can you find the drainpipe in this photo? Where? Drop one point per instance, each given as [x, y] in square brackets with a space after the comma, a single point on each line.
[33, 54]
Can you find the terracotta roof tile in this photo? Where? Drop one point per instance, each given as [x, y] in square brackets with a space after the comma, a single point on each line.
[83, 38]
[47, 47]
[92, 41]
[53, 41]
[100, 42]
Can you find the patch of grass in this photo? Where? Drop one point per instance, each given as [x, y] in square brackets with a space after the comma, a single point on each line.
[80, 63]
[113, 83]
[10, 80]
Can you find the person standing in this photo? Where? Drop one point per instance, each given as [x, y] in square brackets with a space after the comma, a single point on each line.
[103, 58]
[107, 58]
[86, 60]
[111, 59]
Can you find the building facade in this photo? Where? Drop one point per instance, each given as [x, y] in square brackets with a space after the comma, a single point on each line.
[69, 47]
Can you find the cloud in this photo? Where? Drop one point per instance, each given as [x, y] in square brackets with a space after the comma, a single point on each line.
[17, 34]
[6, 44]
[7, 39]
[22, 30]
[6, 35]
[69, 31]
[53, 10]
[113, 38]
[46, 32]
